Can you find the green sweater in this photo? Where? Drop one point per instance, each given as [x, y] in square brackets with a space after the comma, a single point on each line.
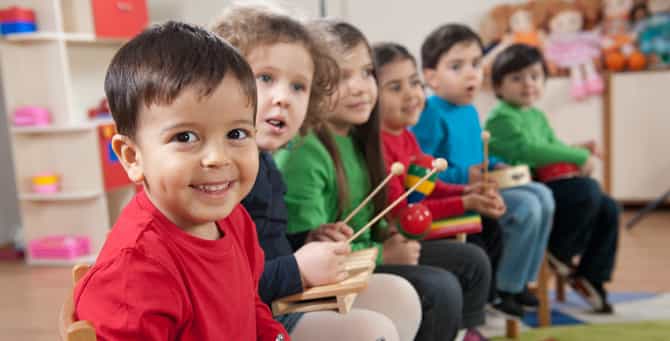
[524, 136]
[311, 181]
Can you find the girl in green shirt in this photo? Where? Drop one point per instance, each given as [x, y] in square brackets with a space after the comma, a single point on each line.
[330, 171]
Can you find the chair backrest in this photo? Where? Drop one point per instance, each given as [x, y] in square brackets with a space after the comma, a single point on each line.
[71, 330]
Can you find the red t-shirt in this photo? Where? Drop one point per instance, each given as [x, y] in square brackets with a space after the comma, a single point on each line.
[444, 202]
[153, 281]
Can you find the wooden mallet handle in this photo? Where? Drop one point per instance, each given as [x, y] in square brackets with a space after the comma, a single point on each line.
[396, 169]
[486, 136]
[438, 166]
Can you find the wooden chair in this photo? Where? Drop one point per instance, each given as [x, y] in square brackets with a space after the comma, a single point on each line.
[541, 290]
[69, 329]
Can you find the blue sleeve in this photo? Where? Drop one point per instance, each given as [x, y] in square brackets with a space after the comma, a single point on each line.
[281, 277]
[430, 131]
[455, 174]
[432, 134]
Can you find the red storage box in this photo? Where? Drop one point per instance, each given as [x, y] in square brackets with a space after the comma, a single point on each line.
[119, 18]
[15, 13]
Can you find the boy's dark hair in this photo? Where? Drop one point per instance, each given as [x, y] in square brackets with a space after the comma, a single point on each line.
[164, 60]
[387, 52]
[513, 59]
[250, 26]
[442, 39]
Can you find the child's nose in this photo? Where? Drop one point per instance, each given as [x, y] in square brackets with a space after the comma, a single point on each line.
[215, 157]
[281, 96]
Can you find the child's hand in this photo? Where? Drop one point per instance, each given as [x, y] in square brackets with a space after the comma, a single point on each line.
[593, 148]
[475, 173]
[481, 187]
[400, 250]
[322, 263]
[489, 204]
[588, 166]
[336, 232]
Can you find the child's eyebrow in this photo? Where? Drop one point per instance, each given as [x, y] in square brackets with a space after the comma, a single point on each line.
[242, 121]
[391, 83]
[176, 126]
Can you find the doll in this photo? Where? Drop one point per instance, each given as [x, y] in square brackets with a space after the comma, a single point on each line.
[654, 33]
[569, 47]
[619, 50]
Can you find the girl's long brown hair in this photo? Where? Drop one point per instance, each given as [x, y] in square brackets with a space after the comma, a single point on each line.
[366, 136]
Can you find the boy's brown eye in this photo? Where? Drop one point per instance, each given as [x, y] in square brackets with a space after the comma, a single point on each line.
[185, 137]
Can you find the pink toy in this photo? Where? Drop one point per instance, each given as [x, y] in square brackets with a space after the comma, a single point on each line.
[59, 247]
[570, 47]
[32, 116]
[46, 183]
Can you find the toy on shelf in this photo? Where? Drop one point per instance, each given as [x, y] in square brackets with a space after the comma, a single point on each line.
[654, 33]
[46, 183]
[569, 47]
[59, 247]
[119, 19]
[525, 21]
[17, 20]
[619, 49]
[31, 116]
[101, 111]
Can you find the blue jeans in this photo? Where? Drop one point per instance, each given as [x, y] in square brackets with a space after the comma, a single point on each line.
[526, 228]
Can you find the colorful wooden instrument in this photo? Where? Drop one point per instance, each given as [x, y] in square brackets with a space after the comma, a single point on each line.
[453, 227]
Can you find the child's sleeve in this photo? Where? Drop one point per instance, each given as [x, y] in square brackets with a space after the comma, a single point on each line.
[306, 174]
[443, 208]
[281, 278]
[267, 328]
[455, 173]
[432, 137]
[126, 298]
[443, 189]
[510, 142]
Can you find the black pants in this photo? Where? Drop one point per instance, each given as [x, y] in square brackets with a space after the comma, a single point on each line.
[452, 282]
[491, 241]
[586, 223]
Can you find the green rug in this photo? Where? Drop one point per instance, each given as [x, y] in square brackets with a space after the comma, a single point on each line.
[647, 331]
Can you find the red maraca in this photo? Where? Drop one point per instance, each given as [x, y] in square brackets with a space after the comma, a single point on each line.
[415, 221]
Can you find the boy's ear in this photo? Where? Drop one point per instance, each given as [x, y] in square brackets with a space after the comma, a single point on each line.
[129, 155]
[429, 76]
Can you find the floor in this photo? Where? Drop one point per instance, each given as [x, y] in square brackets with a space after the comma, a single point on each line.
[31, 296]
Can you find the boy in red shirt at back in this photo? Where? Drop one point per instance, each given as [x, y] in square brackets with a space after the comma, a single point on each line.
[182, 261]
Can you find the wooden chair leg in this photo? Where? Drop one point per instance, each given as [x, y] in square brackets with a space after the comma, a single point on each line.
[560, 289]
[544, 310]
[512, 329]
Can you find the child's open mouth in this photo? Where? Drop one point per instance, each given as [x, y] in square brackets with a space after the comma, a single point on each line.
[277, 125]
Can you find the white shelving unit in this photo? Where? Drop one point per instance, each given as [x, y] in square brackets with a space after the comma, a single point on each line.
[61, 67]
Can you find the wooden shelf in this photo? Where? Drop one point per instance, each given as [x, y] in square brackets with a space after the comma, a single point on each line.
[74, 128]
[75, 38]
[62, 196]
[89, 259]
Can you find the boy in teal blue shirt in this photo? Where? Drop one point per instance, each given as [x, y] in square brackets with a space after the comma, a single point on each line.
[449, 127]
